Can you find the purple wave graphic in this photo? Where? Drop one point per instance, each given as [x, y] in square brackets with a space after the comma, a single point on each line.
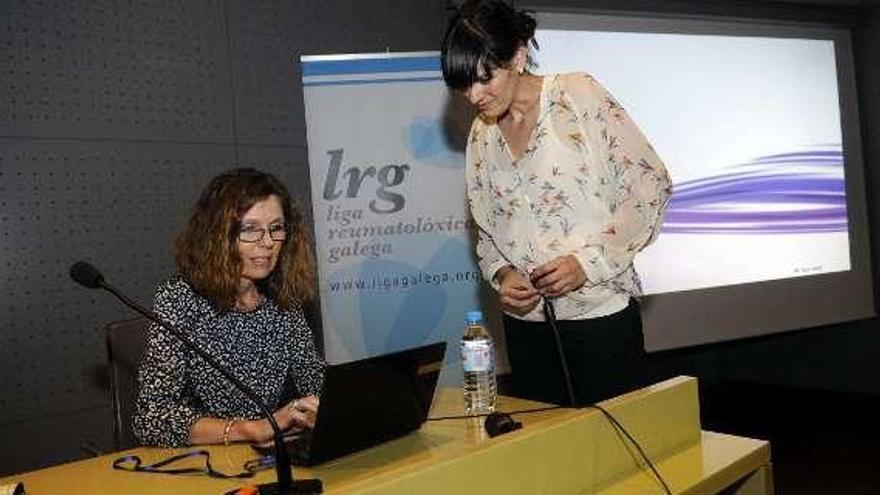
[789, 193]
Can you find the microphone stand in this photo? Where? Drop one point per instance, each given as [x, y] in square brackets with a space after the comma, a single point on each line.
[550, 315]
[285, 484]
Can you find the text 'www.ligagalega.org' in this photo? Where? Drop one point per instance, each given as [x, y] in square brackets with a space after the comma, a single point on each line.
[405, 281]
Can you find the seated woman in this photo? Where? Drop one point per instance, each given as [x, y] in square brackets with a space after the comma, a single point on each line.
[245, 267]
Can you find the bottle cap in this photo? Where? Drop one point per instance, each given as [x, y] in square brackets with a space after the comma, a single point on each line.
[474, 316]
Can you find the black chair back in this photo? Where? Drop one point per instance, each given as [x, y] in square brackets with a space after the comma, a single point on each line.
[125, 346]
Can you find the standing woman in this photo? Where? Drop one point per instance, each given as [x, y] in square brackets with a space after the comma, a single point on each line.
[565, 191]
[245, 268]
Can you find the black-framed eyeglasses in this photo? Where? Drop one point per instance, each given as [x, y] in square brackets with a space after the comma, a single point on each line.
[249, 233]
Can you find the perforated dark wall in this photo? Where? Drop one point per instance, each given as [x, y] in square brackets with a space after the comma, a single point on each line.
[113, 116]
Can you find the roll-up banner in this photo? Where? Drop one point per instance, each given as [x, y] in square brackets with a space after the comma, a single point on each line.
[394, 240]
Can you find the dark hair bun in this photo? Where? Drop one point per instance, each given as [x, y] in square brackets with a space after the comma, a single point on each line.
[527, 25]
[483, 35]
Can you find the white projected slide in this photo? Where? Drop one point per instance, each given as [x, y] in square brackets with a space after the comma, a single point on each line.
[750, 130]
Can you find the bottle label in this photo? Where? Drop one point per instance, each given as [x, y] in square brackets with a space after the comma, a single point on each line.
[476, 356]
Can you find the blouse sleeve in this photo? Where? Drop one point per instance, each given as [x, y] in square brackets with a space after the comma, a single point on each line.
[489, 258]
[641, 186]
[164, 409]
[307, 372]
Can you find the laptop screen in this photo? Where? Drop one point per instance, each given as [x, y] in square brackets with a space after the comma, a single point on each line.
[370, 401]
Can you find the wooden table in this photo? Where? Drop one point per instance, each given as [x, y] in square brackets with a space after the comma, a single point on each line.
[557, 452]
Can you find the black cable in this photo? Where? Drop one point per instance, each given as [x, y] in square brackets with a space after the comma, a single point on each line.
[511, 413]
[619, 427]
[550, 315]
[611, 419]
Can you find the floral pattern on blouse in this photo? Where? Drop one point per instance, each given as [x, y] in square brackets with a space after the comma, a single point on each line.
[269, 349]
[588, 184]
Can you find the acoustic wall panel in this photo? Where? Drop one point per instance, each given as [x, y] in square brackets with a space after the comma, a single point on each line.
[114, 69]
[267, 91]
[116, 204]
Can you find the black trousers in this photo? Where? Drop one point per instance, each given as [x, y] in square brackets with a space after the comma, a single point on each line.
[605, 357]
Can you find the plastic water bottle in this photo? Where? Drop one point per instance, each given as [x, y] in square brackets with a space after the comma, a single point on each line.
[478, 361]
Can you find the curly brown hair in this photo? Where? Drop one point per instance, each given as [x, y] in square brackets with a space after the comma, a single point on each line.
[206, 250]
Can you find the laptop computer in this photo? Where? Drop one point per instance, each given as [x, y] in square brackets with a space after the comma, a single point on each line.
[367, 402]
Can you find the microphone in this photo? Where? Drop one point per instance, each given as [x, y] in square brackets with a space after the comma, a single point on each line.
[550, 315]
[87, 275]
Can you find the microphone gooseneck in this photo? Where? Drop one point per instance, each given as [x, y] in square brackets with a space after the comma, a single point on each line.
[87, 275]
[550, 315]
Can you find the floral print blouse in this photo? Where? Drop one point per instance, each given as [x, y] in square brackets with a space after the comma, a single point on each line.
[269, 349]
[588, 184]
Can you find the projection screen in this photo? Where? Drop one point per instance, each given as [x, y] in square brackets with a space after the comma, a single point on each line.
[758, 125]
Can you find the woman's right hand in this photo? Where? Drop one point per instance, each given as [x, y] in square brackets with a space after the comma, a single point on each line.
[298, 414]
[517, 295]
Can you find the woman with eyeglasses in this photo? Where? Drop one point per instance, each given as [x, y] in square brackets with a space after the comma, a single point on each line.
[245, 269]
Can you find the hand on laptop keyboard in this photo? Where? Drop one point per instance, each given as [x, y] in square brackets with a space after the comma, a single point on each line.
[303, 411]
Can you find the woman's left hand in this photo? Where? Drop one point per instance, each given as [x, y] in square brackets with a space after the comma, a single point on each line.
[559, 276]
